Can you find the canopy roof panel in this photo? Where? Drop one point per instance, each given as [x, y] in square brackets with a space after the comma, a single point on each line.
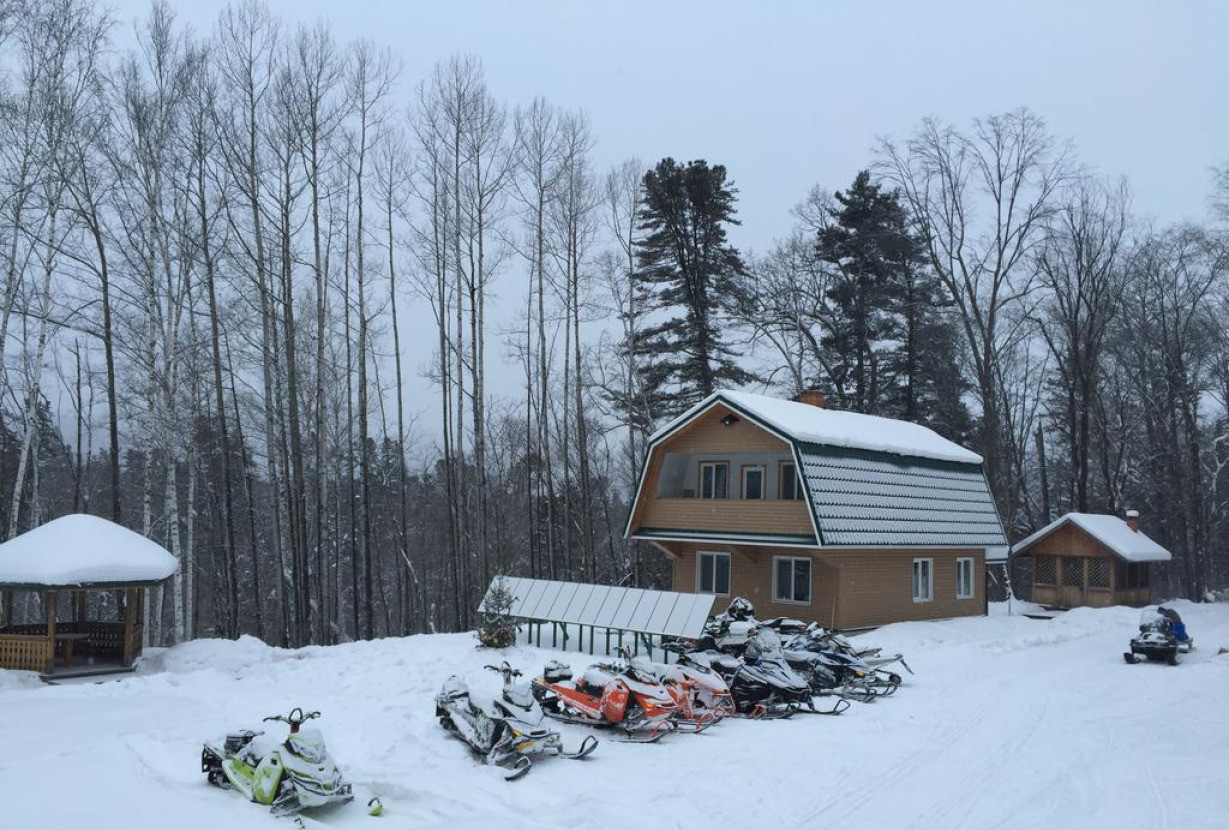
[663, 613]
[80, 550]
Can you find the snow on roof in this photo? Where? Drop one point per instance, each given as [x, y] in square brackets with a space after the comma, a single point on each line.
[804, 422]
[1110, 531]
[83, 550]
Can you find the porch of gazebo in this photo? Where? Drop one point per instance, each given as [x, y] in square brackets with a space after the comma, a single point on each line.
[77, 645]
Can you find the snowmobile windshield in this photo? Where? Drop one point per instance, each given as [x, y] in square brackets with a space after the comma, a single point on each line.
[1150, 619]
[308, 744]
[764, 642]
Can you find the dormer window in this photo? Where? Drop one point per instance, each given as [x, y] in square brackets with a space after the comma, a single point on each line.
[714, 479]
[753, 482]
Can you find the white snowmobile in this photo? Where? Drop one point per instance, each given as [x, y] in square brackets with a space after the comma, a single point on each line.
[501, 737]
[290, 776]
[1162, 637]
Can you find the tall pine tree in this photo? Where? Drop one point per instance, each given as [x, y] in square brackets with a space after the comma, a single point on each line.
[687, 270]
[893, 349]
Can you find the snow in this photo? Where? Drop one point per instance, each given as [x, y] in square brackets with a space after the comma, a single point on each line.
[1009, 723]
[1110, 531]
[80, 550]
[804, 422]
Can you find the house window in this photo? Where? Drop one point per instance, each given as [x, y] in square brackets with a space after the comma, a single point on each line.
[714, 479]
[1099, 573]
[964, 578]
[1073, 571]
[1045, 571]
[791, 579]
[790, 488]
[714, 574]
[753, 482]
[1132, 575]
[923, 580]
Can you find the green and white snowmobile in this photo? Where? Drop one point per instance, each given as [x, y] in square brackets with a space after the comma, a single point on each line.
[291, 776]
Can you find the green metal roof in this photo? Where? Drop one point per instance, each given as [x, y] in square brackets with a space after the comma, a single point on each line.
[874, 499]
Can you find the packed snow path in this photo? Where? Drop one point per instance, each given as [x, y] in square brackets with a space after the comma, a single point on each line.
[1008, 723]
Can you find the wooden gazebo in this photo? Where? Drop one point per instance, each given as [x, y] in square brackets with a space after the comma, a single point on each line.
[1091, 559]
[71, 556]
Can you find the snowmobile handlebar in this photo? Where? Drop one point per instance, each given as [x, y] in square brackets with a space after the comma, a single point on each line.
[295, 719]
[505, 670]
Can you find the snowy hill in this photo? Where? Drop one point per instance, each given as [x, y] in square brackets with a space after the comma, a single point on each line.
[1008, 723]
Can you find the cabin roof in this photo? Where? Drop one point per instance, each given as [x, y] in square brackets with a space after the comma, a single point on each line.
[871, 481]
[1111, 531]
[812, 424]
[78, 551]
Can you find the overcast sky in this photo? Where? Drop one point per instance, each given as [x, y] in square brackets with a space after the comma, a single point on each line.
[789, 95]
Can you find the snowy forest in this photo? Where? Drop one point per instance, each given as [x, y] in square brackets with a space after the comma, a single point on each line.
[210, 243]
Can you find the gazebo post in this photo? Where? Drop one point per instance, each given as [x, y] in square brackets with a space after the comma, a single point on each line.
[130, 617]
[78, 607]
[49, 599]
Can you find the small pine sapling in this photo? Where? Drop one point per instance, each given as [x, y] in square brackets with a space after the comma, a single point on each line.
[497, 630]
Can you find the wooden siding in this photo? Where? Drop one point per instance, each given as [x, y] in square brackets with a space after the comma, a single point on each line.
[849, 588]
[1069, 540]
[708, 435]
[779, 516]
[876, 586]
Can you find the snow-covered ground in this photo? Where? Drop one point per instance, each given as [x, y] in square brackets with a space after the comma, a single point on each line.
[1008, 723]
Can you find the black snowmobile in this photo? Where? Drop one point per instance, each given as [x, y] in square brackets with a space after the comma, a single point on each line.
[1162, 637]
[502, 737]
[761, 680]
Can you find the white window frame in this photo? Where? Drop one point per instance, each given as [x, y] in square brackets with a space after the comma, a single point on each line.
[714, 465]
[728, 571]
[964, 563]
[930, 579]
[754, 468]
[776, 593]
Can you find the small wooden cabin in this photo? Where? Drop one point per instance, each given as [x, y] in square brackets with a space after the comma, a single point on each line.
[848, 520]
[1092, 559]
[61, 563]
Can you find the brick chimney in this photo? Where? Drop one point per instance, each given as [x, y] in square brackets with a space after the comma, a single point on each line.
[813, 397]
[1133, 520]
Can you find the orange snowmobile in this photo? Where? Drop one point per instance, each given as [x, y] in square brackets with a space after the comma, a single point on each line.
[606, 695]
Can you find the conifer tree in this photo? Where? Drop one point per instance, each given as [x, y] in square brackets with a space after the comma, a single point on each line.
[688, 271]
[893, 347]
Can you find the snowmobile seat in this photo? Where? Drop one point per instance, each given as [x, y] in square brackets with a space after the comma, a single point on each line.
[556, 672]
[595, 679]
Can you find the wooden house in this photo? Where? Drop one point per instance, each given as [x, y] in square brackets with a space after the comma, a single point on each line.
[845, 519]
[1092, 559]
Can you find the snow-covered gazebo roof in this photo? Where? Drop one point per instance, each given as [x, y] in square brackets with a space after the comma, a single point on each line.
[1111, 531]
[82, 551]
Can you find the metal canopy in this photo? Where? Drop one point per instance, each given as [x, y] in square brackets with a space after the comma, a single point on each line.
[639, 610]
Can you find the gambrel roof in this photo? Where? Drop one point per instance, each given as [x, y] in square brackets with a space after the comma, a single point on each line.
[871, 481]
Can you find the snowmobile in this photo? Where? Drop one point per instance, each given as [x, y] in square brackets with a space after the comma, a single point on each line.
[820, 639]
[833, 665]
[606, 695]
[709, 693]
[762, 684]
[288, 777]
[691, 691]
[500, 737]
[1162, 637]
